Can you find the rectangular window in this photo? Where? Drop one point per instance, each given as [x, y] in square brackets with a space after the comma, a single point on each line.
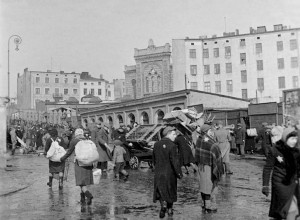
[93, 91]
[279, 46]
[75, 91]
[66, 91]
[218, 86]
[295, 81]
[294, 62]
[243, 58]
[56, 80]
[258, 47]
[217, 68]
[244, 94]
[56, 90]
[228, 67]
[244, 76]
[194, 85]
[229, 85]
[99, 91]
[37, 79]
[280, 63]
[47, 90]
[207, 86]
[85, 84]
[281, 82]
[99, 83]
[260, 84]
[216, 52]
[193, 53]
[84, 91]
[205, 53]
[227, 51]
[37, 91]
[75, 80]
[66, 80]
[293, 44]
[259, 65]
[193, 69]
[242, 42]
[47, 80]
[206, 69]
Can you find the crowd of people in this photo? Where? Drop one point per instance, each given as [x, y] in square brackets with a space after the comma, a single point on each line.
[206, 150]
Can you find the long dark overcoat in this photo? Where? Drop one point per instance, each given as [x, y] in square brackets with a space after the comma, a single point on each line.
[166, 171]
[283, 161]
[185, 152]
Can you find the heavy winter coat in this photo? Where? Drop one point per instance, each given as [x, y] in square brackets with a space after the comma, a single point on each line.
[185, 151]
[284, 161]
[100, 137]
[167, 170]
[240, 134]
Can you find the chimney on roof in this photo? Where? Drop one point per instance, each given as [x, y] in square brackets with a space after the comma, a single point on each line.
[261, 29]
[48, 71]
[187, 38]
[61, 72]
[101, 76]
[237, 32]
[278, 27]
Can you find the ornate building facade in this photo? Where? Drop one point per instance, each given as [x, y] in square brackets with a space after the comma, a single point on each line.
[152, 73]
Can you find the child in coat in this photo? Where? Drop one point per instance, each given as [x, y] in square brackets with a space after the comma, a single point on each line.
[119, 161]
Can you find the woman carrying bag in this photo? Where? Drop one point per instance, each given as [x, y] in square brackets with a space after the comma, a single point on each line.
[83, 174]
[283, 160]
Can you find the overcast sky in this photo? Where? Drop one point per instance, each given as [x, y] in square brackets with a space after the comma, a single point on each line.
[100, 36]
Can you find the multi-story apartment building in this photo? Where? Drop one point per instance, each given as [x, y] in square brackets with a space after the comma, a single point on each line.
[119, 87]
[34, 86]
[257, 65]
[96, 86]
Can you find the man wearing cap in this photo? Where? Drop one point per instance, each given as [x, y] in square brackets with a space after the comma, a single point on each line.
[265, 137]
[100, 137]
[167, 170]
[222, 136]
[240, 136]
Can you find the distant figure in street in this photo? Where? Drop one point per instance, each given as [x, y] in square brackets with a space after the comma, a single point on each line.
[208, 157]
[240, 136]
[265, 137]
[83, 174]
[166, 171]
[55, 167]
[119, 160]
[283, 160]
[222, 136]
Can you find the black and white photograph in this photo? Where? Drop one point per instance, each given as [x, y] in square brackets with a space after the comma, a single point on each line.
[150, 109]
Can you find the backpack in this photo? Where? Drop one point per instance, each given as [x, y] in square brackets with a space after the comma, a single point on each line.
[86, 153]
[55, 151]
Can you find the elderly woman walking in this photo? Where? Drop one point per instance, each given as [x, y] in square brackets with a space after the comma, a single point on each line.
[208, 157]
[283, 160]
[83, 174]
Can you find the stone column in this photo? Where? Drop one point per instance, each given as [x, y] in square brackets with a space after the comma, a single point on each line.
[3, 127]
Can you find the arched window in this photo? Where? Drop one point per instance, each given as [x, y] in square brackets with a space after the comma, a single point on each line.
[176, 108]
[158, 83]
[120, 118]
[159, 116]
[110, 120]
[100, 119]
[131, 119]
[144, 118]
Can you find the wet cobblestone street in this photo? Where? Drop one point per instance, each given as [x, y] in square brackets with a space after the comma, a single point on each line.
[239, 196]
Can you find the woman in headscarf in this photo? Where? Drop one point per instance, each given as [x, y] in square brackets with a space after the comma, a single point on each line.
[55, 167]
[208, 157]
[283, 160]
[83, 174]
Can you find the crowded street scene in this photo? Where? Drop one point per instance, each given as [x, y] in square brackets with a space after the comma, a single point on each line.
[150, 110]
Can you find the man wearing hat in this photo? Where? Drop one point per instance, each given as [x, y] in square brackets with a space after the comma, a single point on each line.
[265, 137]
[166, 171]
[240, 136]
[100, 136]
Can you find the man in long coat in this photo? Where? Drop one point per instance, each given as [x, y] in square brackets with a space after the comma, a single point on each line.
[166, 171]
[100, 137]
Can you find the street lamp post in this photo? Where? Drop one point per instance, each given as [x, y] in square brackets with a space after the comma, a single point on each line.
[17, 41]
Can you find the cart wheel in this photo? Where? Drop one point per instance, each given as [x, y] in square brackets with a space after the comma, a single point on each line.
[134, 162]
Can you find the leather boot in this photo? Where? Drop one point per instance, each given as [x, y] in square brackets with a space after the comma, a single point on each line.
[209, 207]
[50, 181]
[82, 197]
[170, 209]
[61, 180]
[89, 197]
[163, 209]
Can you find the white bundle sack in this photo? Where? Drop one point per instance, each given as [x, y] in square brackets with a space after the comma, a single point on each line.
[86, 153]
[55, 151]
[252, 132]
[97, 176]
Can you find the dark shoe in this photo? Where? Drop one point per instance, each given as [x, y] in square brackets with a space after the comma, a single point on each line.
[61, 180]
[162, 212]
[89, 197]
[82, 197]
[50, 181]
[170, 212]
[126, 177]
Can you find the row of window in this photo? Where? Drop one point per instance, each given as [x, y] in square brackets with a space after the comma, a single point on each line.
[229, 87]
[56, 80]
[228, 66]
[258, 49]
[99, 84]
[56, 91]
[92, 91]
